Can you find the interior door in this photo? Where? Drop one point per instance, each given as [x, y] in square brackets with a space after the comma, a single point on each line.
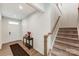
[14, 32]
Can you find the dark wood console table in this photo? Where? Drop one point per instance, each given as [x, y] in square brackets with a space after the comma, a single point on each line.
[28, 42]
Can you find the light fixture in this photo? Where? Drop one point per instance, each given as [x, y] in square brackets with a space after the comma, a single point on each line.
[20, 7]
[12, 22]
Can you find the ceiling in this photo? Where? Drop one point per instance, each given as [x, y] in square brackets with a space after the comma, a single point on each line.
[16, 10]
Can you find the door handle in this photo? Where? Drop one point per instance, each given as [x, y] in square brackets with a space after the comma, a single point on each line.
[9, 33]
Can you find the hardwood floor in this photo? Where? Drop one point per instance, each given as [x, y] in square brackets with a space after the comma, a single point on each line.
[6, 51]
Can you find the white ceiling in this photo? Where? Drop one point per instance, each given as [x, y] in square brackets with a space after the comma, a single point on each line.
[12, 10]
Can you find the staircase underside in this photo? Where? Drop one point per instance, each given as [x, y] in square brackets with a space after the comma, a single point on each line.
[66, 43]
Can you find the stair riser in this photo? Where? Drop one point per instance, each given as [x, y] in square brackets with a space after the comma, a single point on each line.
[67, 28]
[68, 32]
[71, 36]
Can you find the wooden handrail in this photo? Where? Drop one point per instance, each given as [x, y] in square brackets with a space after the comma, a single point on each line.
[58, 8]
[55, 25]
[47, 35]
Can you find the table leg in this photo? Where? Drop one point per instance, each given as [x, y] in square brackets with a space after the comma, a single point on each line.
[23, 40]
[26, 41]
[32, 43]
[29, 44]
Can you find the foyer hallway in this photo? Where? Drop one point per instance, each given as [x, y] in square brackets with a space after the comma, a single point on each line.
[43, 21]
[6, 50]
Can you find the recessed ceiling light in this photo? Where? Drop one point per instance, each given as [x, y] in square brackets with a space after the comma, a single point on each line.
[20, 7]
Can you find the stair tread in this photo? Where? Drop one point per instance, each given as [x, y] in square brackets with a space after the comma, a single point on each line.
[67, 30]
[58, 52]
[70, 50]
[67, 37]
[72, 44]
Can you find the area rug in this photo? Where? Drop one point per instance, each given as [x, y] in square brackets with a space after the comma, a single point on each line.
[17, 50]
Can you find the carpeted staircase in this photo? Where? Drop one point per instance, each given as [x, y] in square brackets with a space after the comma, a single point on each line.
[66, 43]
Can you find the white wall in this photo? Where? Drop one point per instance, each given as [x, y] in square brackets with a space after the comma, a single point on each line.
[55, 13]
[69, 15]
[6, 29]
[0, 32]
[39, 25]
[78, 23]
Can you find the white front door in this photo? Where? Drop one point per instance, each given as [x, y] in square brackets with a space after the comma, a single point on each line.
[11, 32]
[14, 32]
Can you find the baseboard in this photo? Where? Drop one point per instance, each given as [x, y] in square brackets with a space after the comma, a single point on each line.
[10, 42]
